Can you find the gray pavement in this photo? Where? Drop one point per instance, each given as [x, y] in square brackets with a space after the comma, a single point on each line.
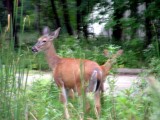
[121, 81]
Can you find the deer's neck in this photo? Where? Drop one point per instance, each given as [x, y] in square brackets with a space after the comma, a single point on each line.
[52, 57]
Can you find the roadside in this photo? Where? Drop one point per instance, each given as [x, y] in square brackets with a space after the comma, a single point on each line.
[123, 79]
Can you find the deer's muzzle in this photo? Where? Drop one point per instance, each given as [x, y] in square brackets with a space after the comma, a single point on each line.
[34, 49]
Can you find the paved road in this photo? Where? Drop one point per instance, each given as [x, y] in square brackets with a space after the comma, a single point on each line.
[121, 81]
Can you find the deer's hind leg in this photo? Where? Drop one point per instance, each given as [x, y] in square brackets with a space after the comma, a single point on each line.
[97, 103]
[97, 98]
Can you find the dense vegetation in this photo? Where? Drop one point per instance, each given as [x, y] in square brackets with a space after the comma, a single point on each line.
[131, 25]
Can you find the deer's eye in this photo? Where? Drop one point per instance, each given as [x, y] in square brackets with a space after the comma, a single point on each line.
[44, 41]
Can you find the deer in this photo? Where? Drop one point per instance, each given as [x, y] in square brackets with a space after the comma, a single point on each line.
[67, 72]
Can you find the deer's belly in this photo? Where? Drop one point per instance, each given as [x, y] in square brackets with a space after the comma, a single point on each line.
[69, 81]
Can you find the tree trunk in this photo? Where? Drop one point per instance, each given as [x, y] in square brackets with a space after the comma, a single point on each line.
[66, 17]
[85, 31]
[55, 13]
[148, 31]
[148, 26]
[85, 12]
[117, 29]
[133, 8]
[119, 8]
[79, 18]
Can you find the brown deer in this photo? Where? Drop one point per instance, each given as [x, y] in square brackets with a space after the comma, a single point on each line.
[67, 71]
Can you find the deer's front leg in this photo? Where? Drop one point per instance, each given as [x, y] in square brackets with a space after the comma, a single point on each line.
[63, 94]
[63, 99]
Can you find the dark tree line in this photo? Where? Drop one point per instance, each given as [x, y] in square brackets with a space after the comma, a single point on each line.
[72, 15]
[147, 19]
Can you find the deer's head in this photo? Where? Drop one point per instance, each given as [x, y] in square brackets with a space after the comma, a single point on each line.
[45, 41]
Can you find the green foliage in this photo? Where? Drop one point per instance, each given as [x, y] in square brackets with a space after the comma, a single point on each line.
[153, 10]
[134, 44]
[110, 24]
[43, 101]
[71, 47]
[150, 52]
[130, 25]
[155, 67]
[130, 59]
[37, 61]
[131, 103]
[133, 55]
[133, 107]
[154, 101]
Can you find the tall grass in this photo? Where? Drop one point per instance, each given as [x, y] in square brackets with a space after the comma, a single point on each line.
[13, 76]
[13, 80]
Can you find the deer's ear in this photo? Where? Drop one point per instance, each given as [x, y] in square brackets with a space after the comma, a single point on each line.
[46, 30]
[54, 34]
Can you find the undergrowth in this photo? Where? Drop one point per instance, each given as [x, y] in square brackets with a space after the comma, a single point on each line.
[43, 103]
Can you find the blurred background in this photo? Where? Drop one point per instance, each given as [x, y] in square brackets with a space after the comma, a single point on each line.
[87, 28]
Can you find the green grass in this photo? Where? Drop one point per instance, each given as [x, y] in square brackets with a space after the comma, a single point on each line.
[43, 103]
[13, 79]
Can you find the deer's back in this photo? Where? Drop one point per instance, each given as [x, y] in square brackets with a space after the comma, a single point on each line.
[70, 71]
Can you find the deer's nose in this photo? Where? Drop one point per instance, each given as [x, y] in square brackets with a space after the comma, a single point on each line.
[34, 49]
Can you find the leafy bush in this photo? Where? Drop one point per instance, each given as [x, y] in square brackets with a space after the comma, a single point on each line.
[130, 59]
[71, 47]
[155, 67]
[151, 52]
[132, 56]
[154, 100]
